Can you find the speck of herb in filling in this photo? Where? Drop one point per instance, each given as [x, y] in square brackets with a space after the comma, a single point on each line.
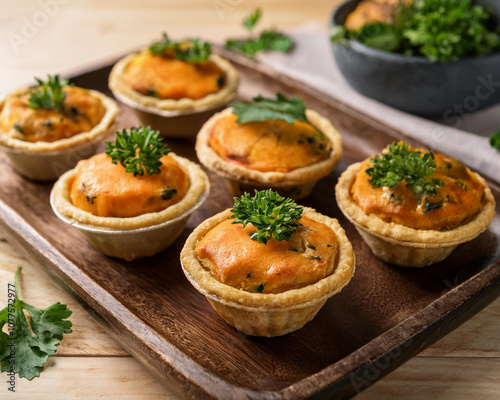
[429, 206]
[328, 245]
[310, 140]
[449, 165]
[220, 81]
[461, 184]
[394, 199]
[311, 247]
[151, 92]
[260, 288]
[91, 199]
[249, 275]
[19, 129]
[168, 194]
[314, 258]
[293, 249]
[48, 124]
[74, 111]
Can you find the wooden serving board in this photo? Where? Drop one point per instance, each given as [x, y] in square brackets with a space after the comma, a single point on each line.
[382, 318]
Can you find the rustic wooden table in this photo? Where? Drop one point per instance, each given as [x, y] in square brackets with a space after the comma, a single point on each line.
[51, 36]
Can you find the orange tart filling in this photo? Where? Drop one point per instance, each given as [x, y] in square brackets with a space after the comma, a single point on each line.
[107, 190]
[272, 145]
[457, 201]
[238, 261]
[166, 77]
[81, 112]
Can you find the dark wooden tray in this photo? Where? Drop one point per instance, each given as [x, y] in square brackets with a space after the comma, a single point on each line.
[382, 318]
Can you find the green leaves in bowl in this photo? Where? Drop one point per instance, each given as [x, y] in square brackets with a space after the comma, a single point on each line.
[441, 30]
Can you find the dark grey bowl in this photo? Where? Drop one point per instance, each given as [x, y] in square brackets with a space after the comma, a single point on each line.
[448, 90]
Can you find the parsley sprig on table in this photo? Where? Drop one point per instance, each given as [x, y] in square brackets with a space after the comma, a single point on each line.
[34, 341]
[48, 95]
[274, 216]
[194, 51]
[402, 164]
[267, 40]
[441, 30]
[263, 108]
[139, 150]
[495, 141]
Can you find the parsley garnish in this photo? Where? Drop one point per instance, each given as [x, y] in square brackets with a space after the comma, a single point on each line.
[267, 40]
[495, 140]
[274, 216]
[194, 51]
[19, 129]
[441, 30]
[34, 341]
[48, 95]
[139, 150]
[402, 164]
[311, 247]
[262, 109]
[250, 21]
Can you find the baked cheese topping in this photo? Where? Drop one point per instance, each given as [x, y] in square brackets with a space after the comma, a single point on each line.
[81, 112]
[272, 145]
[456, 202]
[165, 77]
[238, 261]
[107, 190]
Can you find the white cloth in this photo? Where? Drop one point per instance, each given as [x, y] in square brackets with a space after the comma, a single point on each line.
[312, 62]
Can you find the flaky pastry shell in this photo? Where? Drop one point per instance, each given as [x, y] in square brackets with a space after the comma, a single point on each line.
[404, 246]
[296, 184]
[133, 237]
[46, 161]
[261, 314]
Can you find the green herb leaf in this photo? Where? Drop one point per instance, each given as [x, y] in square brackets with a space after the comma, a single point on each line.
[194, 51]
[250, 21]
[262, 109]
[31, 351]
[269, 40]
[139, 150]
[495, 141]
[48, 95]
[379, 35]
[274, 216]
[402, 164]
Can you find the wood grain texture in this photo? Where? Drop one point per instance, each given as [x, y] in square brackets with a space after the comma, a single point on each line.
[384, 316]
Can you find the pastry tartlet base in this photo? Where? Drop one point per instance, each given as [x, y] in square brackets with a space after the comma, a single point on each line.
[133, 237]
[403, 246]
[46, 161]
[261, 314]
[296, 184]
[174, 118]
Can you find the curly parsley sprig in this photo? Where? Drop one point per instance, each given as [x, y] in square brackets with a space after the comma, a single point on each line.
[402, 164]
[194, 51]
[495, 141]
[274, 216]
[263, 108]
[139, 150]
[48, 95]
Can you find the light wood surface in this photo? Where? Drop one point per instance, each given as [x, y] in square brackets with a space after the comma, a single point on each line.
[89, 364]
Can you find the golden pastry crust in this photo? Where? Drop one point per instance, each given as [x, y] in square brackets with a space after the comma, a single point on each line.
[270, 314]
[209, 158]
[125, 93]
[104, 127]
[61, 201]
[396, 233]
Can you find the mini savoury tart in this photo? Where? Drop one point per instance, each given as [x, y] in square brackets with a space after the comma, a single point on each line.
[413, 207]
[269, 143]
[134, 200]
[46, 129]
[174, 87]
[268, 278]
